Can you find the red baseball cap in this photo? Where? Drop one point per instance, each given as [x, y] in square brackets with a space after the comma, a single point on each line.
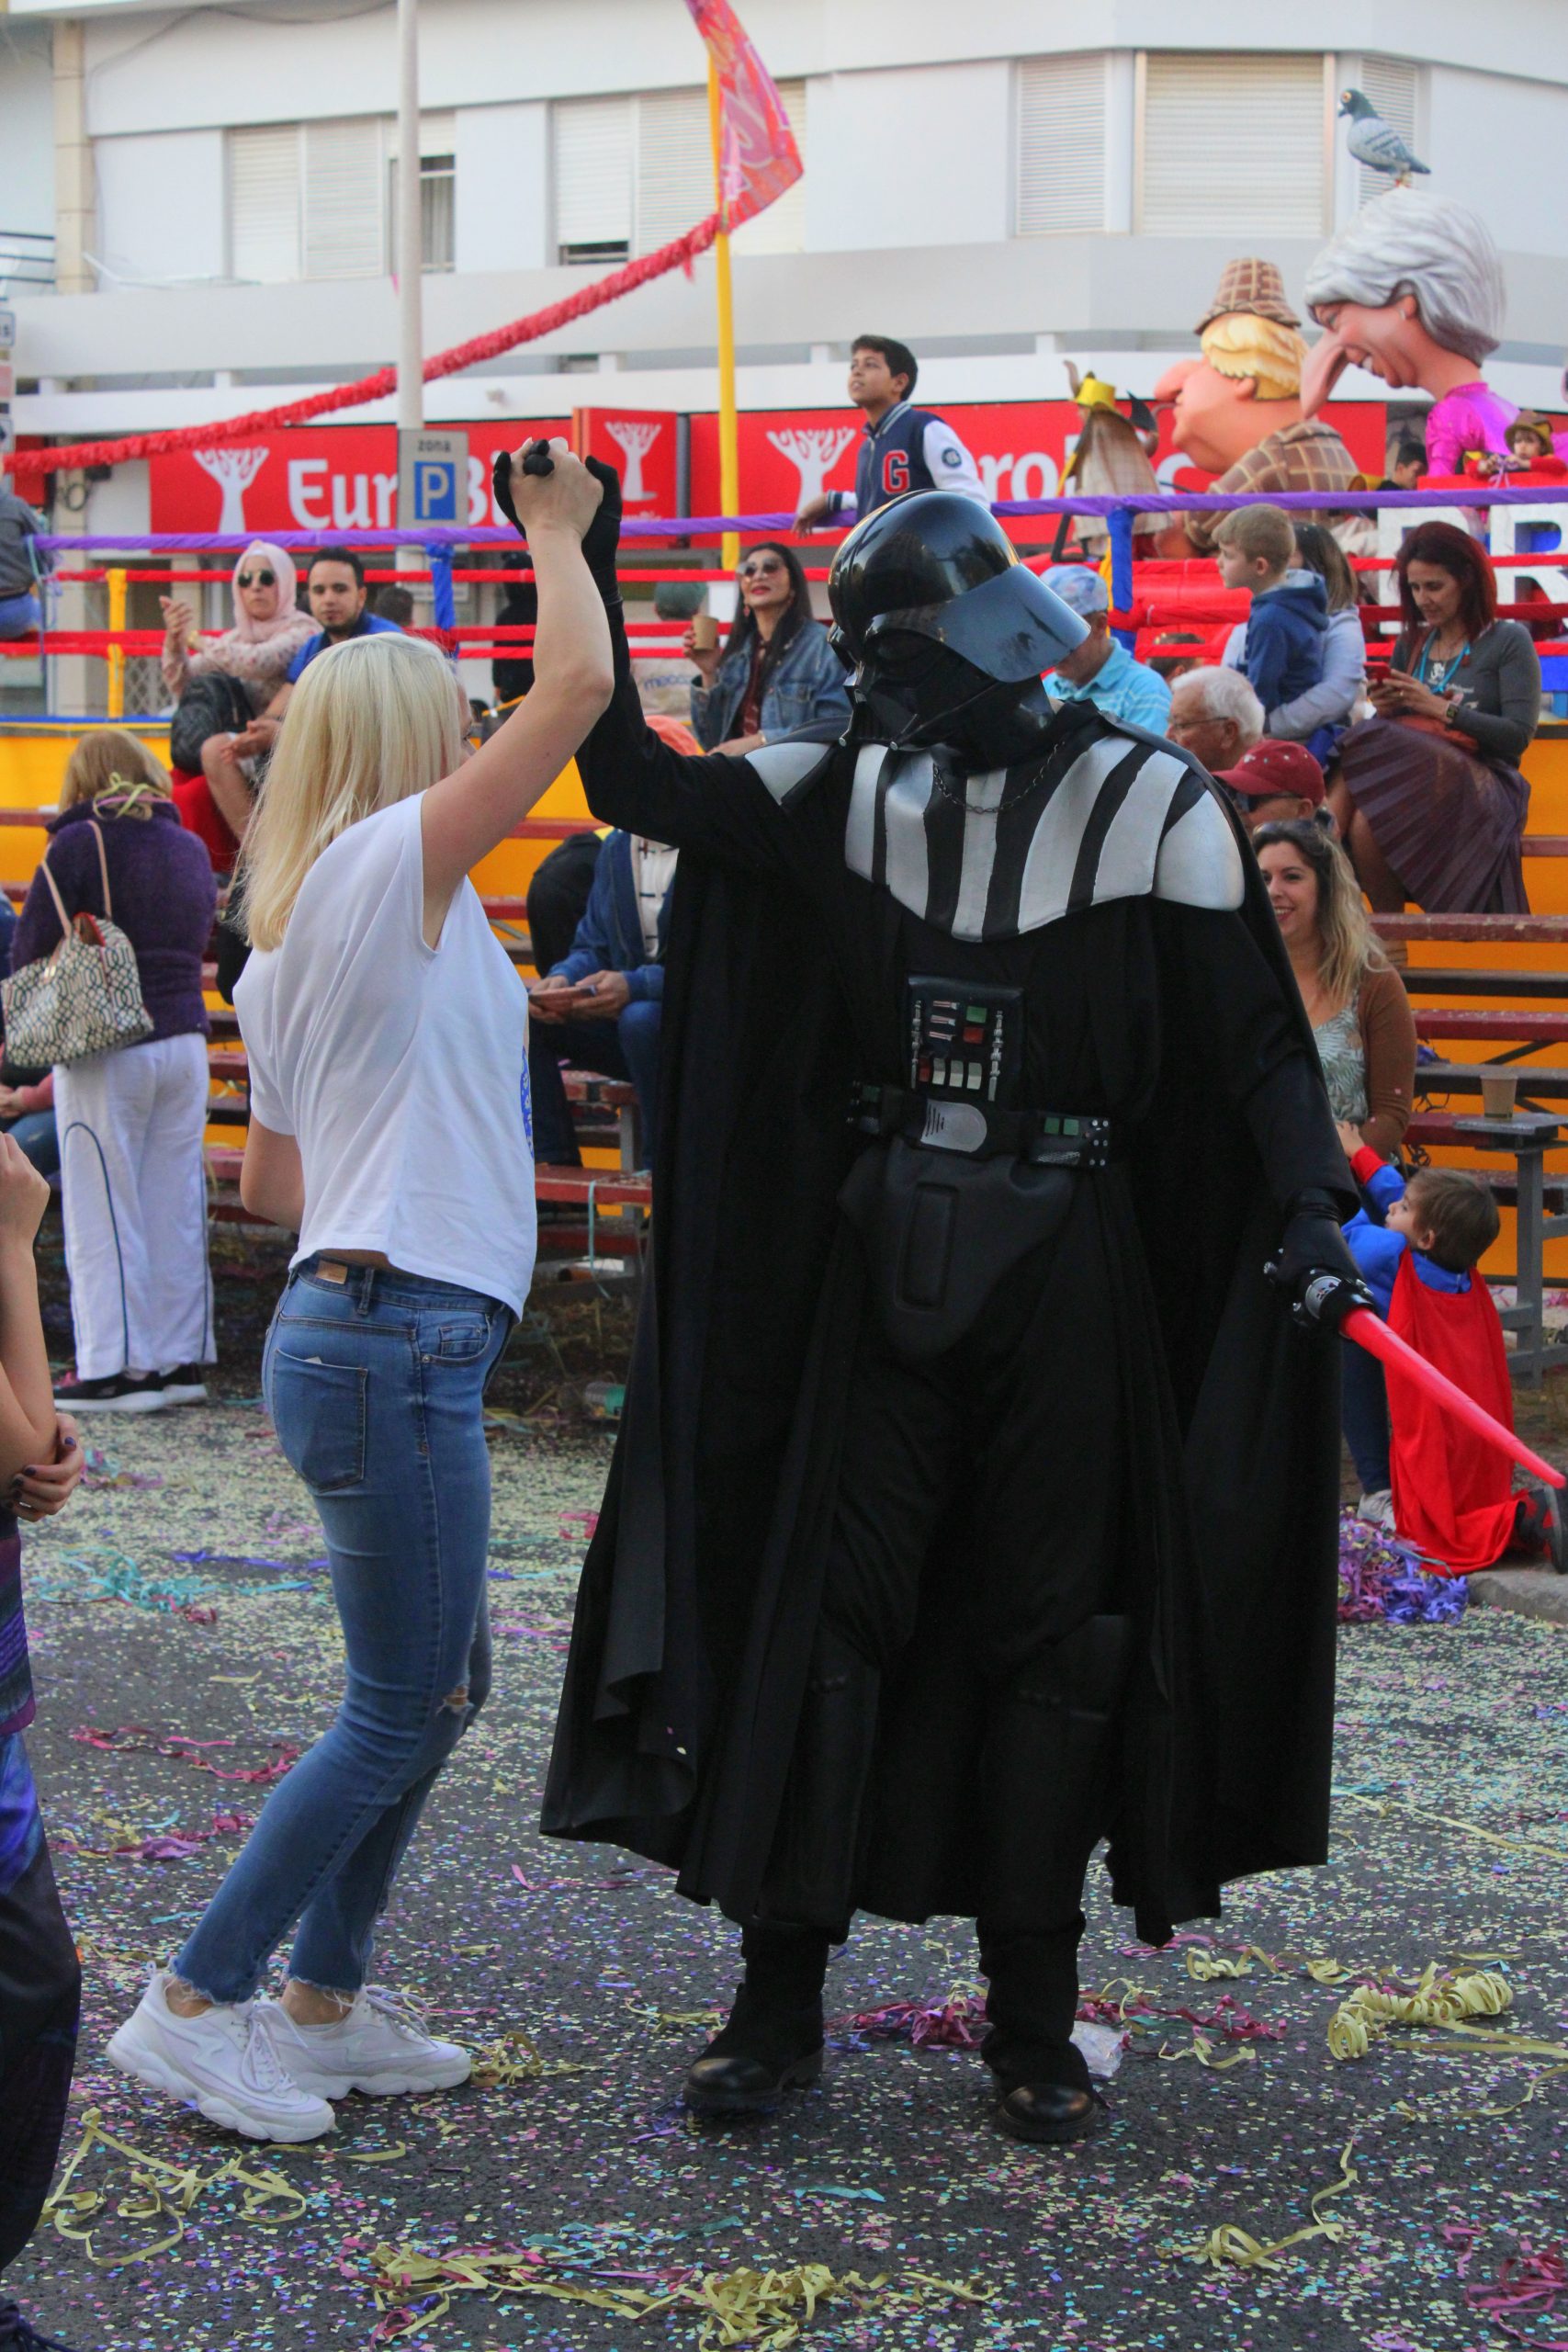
[1275, 769]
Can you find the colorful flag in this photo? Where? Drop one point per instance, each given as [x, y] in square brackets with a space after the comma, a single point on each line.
[760, 156]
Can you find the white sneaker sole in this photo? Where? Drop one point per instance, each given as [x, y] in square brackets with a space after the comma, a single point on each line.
[195, 1394]
[382, 2084]
[149, 1400]
[146, 2066]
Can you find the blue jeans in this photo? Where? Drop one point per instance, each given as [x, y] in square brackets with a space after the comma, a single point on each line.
[374, 1387]
[626, 1047]
[20, 616]
[36, 1133]
[1363, 1413]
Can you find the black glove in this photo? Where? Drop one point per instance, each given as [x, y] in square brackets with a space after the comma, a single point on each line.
[1314, 1268]
[602, 535]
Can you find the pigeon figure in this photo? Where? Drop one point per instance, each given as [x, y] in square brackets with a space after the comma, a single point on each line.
[1376, 143]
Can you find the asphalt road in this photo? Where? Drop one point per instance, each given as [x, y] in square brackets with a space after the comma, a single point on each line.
[184, 1596]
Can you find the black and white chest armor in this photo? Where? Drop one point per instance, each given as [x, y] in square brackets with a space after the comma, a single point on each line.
[994, 854]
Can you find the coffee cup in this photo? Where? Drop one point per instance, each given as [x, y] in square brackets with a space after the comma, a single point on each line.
[1498, 1090]
[705, 632]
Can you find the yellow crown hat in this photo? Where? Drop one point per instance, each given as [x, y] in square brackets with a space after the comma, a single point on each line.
[1092, 393]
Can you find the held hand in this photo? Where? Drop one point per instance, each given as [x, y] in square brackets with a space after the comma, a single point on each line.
[10, 1103]
[738, 745]
[704, 658]
[178, 620]
[46, 1488]
[601, 996]
[24, 1194]
[567, 498]
[1349, 1136]
[549, 1000]
[1402, 696]
[1316, 1271]
[813, 512]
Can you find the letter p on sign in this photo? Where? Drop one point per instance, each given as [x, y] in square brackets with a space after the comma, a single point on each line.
[433, 478]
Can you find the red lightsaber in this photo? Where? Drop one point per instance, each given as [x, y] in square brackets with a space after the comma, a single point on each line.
[1370, 1331]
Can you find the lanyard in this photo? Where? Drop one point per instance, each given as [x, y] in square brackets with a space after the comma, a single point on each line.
[1439, 680]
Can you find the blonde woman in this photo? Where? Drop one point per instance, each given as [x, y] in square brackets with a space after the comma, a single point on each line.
[386, 1031]
[1355, 1001]
[130, 1121]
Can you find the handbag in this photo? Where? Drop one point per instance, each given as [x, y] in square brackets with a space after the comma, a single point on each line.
[82, 998]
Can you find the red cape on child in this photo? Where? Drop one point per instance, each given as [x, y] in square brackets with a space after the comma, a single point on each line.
[1452, 1496]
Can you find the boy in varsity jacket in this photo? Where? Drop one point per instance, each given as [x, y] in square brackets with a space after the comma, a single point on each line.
[904, 448]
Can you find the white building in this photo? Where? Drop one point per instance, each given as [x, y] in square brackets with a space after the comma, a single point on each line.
[998, 186]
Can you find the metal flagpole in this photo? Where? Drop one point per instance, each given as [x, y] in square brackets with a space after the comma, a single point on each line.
[410, 248]
[728, 451]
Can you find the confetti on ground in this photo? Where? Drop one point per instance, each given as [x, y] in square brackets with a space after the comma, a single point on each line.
[1409, 2200]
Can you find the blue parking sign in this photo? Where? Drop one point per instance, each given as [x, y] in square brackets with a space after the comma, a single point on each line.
[432, 479]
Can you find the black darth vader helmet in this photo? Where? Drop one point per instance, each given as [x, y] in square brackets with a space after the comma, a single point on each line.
[933, 609]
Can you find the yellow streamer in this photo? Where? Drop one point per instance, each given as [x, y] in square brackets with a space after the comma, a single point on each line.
[1230, 2243]
[766, 2309]
[514, 2059]
[1384, 1805]
[1438, 1999]
[158, 2190]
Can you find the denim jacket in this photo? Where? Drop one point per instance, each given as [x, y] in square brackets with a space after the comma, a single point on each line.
[609, 938]
[808, 683]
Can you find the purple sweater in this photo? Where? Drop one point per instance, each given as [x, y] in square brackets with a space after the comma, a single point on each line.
[165, 896]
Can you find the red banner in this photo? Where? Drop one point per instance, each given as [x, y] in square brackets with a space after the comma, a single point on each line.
[332, 478]
[641, 444]
[326, 477]
[1020, 447]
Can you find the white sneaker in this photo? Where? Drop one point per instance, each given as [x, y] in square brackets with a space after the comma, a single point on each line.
[1377, 1509]
[380, 2048]
[221, 2062]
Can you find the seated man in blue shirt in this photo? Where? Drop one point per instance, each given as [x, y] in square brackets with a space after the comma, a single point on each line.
[1100, 670]
[334, 587]
[599, 1008]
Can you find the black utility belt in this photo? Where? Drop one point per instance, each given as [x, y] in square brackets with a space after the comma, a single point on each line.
[978, 1130]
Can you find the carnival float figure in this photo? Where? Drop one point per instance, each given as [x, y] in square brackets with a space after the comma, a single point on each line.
[1239, 413]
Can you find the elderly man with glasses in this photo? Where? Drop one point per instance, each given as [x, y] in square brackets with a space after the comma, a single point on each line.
[1216, 716]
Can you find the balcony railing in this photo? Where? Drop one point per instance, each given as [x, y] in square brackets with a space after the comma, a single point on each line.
[26, 257]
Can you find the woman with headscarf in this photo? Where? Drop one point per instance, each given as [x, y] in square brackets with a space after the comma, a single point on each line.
[268, 630]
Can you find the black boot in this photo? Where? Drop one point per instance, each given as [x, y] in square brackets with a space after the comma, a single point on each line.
[1046, 1785]
[1043, 2092]
[772, 2040]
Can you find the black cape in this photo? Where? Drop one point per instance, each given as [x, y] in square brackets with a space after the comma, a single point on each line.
[699, 1596]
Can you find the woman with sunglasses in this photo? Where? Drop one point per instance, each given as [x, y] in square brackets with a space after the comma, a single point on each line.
[268, 630]
[776, 672]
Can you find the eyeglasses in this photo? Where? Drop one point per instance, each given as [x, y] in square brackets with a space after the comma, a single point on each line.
[258, 579]
[763, 568]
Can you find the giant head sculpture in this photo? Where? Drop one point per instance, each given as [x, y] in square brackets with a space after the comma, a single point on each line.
[1411, 288]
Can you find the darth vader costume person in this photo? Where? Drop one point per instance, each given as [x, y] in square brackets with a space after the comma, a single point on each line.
[974, 1497]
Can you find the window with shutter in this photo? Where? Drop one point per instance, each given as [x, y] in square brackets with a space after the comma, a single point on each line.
[1061, 145]
[1390, 83]
[782, 228]
[437, 213]
[593, 151]
[345, 229]
[1231, 146]
[264, 203]
[674, 165]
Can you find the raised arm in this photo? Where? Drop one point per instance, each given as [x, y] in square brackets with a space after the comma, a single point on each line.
[466, 814]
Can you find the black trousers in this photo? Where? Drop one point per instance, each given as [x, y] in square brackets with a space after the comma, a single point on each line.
[1020, 1422]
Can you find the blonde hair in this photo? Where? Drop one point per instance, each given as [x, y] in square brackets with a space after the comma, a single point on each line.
[1241, 344]
[111, 765]
[372, 721]
[1264, 531]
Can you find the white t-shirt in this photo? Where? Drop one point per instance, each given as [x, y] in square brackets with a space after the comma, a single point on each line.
[397, 1066]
